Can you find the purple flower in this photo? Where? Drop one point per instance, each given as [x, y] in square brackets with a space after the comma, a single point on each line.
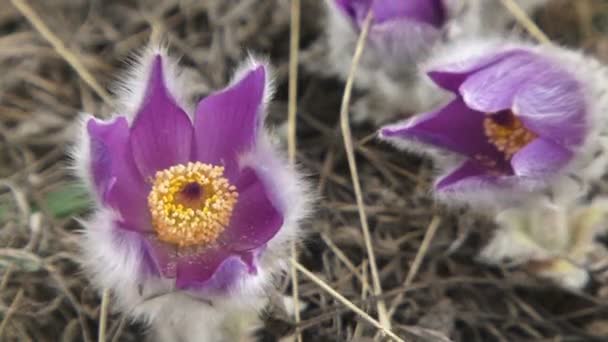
[196, 198]
[402, 31]
[424, 12]
[518, 119]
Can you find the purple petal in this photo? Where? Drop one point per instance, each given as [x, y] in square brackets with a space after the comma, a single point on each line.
[213, 269]
[451, 76]
[161, 135]
[454, 127]
[493, 88]
[254, 220]
[540, 157]
[352, 8]
[431, 12]
[227, 122]
[470, 173]
[163, 255]
[553, 105]
[115, 175]
[424, 11]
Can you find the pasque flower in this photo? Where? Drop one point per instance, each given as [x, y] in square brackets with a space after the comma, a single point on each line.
[402, 35]
[195, 202]
[521, 119]
[399, 28]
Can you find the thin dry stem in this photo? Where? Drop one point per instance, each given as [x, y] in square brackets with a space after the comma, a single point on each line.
[349, 264]
[426, 242]
[345, 301]
[525, 21]
[291, 136]
[12, 308]
[103, 315]
[352, 164]
[119, 329]
[30, 14]
[294, 43]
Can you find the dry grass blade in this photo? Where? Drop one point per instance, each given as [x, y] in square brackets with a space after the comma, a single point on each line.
[12, 308]
[525, 21]
[294, 44]
[426, 242]
[345, 301]
[352, 164]
[103, 315]
[351, 267]
[30, 14]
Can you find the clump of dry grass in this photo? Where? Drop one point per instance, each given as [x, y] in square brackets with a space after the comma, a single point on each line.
[43, 295]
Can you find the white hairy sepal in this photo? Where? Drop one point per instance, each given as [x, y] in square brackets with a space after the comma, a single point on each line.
[590, 158]
[554, 241]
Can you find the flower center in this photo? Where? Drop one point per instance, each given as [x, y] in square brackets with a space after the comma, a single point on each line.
[191, 204]
[507, 133]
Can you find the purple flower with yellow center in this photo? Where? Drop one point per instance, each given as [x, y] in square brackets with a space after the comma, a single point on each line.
[520, 117]
[188, 200]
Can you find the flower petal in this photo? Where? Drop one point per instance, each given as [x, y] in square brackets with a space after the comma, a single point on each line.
[214, 269]
[454, 127]
[553, 105]
[227, 122]
[451, 76]
[426, 11]
[118, 183]
[540, 157]
[254, 219]
[161, 135]
[493, 88]
[469, 172]
[163, 255]
[354, 8]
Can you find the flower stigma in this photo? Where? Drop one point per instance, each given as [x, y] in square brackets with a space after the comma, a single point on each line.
[507, 133]
[191, 204]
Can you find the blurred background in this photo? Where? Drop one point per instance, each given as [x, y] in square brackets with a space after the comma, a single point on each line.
[45, 297]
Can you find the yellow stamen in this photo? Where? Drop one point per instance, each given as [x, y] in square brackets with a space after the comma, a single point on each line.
[191, 204]
[508, 134]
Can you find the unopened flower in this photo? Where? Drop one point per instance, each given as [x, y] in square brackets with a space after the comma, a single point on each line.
[400, 29]
[403, 34]
[195, 208]
[522, 119]
[554, 241]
